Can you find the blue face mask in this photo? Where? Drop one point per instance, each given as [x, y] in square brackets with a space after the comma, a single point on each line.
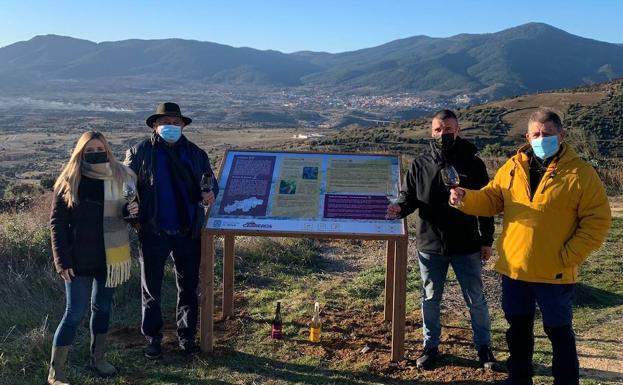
[545, 146]
[170, 133]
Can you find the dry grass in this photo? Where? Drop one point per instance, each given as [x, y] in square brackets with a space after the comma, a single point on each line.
[345, 276]
[612, 177]
[33, 154]
[523, 106]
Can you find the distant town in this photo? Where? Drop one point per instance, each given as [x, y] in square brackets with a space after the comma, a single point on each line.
[239, 107]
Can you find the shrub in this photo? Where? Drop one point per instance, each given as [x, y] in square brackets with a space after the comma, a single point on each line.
[25, 236]
[17, 190]
[611, 174]
[494, 149]
[47, 182]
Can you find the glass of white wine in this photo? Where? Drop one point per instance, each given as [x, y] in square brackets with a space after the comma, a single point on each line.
[393, 196]
[129, 194]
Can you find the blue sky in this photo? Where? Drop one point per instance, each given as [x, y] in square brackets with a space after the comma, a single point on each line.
[288, 26]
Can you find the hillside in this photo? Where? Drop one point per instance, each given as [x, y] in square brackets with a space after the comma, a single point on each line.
[52, 58]
[33, 147]
[593, 115]
[524, 59]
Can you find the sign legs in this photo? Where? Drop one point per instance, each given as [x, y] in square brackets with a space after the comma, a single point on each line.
[395, 290]
[206, 320]
[228, 277]
[400, 300]
[389, 279]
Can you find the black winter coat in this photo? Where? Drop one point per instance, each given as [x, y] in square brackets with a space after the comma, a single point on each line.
[141, 159]
[78, 232]
[441, 229]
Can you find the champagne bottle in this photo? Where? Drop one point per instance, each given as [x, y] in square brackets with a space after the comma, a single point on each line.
[315, 325]
[277, 326]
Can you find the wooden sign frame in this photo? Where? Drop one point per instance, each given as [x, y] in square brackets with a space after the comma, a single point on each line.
[395, 272]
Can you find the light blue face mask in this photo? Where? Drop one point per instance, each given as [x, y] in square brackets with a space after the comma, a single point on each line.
[170, 133]
[545, 146]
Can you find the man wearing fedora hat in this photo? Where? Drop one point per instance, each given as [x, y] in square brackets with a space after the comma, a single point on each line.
[172, 195]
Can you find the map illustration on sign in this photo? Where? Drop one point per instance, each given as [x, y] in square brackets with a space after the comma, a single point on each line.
[248, 185]
[244, 205]
[307, 193]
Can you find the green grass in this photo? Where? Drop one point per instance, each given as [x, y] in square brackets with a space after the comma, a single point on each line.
[298, 272]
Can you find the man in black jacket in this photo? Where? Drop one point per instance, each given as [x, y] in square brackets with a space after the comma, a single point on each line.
[447, 237]
[170, 170]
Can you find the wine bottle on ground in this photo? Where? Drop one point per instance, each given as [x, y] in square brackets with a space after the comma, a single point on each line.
[277, 326]
[315, 325]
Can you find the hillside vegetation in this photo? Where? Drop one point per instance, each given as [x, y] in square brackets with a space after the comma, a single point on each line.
[527, 58]
[593, 117]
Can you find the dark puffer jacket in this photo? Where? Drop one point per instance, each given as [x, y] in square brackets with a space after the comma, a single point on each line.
[441, 229]
[78, 232]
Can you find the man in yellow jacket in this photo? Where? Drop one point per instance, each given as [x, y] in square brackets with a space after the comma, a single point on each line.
[556, 213]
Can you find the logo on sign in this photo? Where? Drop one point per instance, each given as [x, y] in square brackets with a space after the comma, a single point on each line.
[257, 225]
[230, 224]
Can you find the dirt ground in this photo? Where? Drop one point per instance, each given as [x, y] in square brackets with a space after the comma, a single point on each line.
[616, 206]
[345, 334]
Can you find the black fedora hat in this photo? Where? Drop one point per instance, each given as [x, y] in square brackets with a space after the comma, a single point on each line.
[167, 109]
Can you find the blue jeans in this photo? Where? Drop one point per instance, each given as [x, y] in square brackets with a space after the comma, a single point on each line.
[78, 292]
[519, 300]
[467, 268]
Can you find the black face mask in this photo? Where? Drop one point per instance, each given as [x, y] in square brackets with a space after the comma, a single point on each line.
[446, 141]
[96, 157]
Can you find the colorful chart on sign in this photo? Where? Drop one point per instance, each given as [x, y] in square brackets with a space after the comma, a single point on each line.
[307, 193]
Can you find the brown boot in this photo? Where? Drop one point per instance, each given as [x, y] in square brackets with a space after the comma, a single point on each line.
[56, 375]
[97, 361]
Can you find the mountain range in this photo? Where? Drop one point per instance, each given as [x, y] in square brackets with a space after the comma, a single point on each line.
[524, 59]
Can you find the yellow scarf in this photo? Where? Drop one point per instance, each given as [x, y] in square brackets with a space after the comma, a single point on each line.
[116, 239]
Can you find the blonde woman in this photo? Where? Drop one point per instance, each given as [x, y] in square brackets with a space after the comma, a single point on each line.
[90, 245]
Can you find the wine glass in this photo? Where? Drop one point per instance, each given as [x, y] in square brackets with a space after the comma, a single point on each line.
[393, 196]
[129, 193]
[207, 182]
[450, 177]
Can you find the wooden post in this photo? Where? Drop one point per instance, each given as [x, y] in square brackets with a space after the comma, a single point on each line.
[400, 301]
[206, 320]
[389, 279]
[228, 276]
